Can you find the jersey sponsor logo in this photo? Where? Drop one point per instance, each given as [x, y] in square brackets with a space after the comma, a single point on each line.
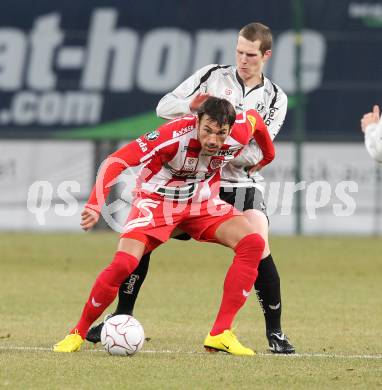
[271, 116]
[142, 144]
[190, 164]
[227, 152]
[184, 130]
[152, 136]
[200, 176]
[130, 284]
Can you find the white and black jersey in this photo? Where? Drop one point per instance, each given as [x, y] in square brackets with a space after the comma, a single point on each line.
[223, 81]
[373, 140]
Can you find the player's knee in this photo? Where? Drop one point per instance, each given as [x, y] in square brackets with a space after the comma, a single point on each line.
[122, 266]
[250, 248]
[258, 221]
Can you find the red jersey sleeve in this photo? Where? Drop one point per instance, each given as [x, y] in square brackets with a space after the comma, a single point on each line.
[254, 127]
[161, 142]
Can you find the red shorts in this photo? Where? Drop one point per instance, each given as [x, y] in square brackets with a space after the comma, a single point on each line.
[157, 219]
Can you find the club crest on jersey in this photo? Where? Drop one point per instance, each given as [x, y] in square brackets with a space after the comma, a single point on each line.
[228, 91]
[152, 136]
[190, 164]
[260, 107]
[216, 163]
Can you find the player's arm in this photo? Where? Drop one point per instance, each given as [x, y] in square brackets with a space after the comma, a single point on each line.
[275, 117]
[130, 155]
[371, 125]
[186, 98]
[263, 139]
[250, 130]
[111, 168]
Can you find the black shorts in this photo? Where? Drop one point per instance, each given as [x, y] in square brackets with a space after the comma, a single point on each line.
[244, 198]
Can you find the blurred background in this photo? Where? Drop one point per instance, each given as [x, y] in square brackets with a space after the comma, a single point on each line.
[80, 78]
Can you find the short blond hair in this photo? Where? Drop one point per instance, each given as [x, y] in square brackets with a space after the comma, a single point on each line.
[258, 32]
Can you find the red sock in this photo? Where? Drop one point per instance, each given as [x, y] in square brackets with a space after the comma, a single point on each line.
[105, 290]
[239, 280]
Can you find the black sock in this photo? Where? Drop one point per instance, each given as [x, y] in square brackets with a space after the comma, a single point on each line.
[129, 289]
[267, 287]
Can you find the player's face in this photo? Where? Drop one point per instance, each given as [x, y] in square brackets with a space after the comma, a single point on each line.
[211, 135]
[249, 59]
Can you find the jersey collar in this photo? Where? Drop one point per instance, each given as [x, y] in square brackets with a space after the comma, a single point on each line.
[241, 82]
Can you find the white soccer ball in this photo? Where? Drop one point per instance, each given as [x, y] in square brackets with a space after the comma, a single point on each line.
[122, 335]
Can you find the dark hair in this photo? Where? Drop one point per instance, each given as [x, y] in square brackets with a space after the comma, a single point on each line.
[219, 110]
[258, 31]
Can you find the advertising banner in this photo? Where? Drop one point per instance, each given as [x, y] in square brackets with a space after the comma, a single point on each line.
[83, 69]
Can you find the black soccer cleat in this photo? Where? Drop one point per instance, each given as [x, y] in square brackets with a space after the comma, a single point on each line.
[94, 333]
[279, 343]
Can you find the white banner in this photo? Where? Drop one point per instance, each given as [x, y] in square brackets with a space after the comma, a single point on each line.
[43, 184]
[340, 189]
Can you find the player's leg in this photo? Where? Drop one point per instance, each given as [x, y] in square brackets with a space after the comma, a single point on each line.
[129, 290]
[267, 284]
[104, 290]
[127, 295]
[236, 233]
[140, 236]
[251, 202]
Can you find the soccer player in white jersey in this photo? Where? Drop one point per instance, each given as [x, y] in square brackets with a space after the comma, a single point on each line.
[178, 187]
[245, 86]
[371, 125]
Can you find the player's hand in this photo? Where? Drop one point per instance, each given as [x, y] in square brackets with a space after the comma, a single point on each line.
[370, 117]
[198, 100]
[254, 169]
[89, 218]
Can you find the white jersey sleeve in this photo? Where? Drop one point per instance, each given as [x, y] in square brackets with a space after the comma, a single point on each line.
[275, 117]
[177, 102]
[373, 140]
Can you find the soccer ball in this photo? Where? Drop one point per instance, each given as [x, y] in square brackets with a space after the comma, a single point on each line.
[122, 335]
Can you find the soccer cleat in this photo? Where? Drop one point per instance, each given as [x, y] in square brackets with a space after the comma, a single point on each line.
[94, 333]
[279, 343]
[71, 343]
[226, 342]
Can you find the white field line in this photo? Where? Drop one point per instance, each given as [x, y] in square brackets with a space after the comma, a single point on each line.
[296, 355]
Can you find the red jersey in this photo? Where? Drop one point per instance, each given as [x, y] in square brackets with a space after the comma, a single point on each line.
[175, 167]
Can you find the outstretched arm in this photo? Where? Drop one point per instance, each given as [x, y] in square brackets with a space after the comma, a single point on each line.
[186, 98]
[160, 142]
[371, 125]
[107, 174]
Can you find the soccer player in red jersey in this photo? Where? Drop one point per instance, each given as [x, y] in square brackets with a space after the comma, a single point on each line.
[178, 187]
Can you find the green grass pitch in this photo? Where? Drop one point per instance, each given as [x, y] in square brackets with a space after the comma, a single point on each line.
[332, 312]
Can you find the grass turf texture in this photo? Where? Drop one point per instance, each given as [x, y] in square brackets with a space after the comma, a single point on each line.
[331, 306]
